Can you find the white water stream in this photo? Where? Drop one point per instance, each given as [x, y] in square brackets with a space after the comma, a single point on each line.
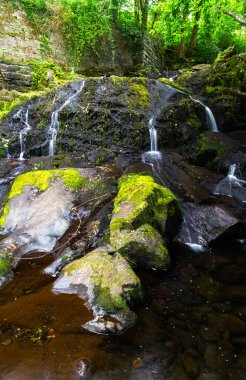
[23, 116]
[54, 125]
[231, 185]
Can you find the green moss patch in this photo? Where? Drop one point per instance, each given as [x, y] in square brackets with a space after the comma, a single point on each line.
[110, 282]
[5, 262]
[41, 180]
[15, 100]
[174, 85]
[146, 200]
[132, 90]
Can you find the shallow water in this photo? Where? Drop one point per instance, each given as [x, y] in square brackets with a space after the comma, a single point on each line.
[191, 326]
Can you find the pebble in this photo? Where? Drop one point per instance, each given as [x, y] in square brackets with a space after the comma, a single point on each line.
[7, 342]
[137, 363]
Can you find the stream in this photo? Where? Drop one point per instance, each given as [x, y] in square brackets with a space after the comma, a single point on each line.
[191, 325]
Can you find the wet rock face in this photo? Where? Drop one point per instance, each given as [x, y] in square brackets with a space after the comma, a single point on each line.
[15, 76]
[223, 85]
[216, 151]
[39, 210]
[107, 118]
[106, 281]
[204, 224]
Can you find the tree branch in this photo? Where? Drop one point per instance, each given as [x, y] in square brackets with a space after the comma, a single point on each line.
[239, 19]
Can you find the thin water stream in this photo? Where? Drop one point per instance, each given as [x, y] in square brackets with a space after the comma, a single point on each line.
[54, 125]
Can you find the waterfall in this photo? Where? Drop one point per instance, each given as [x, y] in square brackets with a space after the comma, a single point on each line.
[153, 135]
[210, 119]
[231, 185]
[23, 116]
[211, 122]
[54, 125]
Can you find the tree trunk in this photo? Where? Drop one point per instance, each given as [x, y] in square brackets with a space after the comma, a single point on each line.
[136, 12]
[182, 45]
[193, 39]
[114, 10]
[144, 14]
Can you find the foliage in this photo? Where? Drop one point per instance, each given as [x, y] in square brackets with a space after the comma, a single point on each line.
[46, 72]
[193, 29]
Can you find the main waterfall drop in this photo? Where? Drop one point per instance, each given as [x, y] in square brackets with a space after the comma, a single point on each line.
[153, 135]
[54, 125]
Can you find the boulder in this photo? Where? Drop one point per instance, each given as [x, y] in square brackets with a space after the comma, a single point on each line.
[205, 224]
[217, 151]
[37, 213]
[141, 208]
[105, 280]
[143, 247]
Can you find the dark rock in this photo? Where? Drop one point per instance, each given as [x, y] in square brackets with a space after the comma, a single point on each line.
[204, 224]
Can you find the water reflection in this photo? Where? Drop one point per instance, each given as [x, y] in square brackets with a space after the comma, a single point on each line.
[191, 326]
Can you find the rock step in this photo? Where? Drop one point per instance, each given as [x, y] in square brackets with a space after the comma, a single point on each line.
[15, 75]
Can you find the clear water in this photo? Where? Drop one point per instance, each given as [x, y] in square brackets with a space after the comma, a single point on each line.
[191, 325]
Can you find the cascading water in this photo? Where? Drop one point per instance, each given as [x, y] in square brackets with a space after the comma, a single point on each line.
[231, 185]
[54, 125]
[23, 116]
[153, 135]
[211, 122]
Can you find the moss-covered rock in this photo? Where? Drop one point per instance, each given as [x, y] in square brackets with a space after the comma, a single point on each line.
[141, 200]
[5, 262]
[143, 247]
[174, 84]
[140, 209]
[41, 179]
[105, 280]
[217, 151]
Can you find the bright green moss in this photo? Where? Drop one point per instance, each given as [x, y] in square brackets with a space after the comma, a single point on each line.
[7, 105]
[144, 199]
[174, 84]
[41, 180]
[138, 93]
[5, 262]
[41, 74]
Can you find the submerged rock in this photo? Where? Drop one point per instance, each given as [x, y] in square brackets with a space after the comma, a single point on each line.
[141, 208]
[106, 281]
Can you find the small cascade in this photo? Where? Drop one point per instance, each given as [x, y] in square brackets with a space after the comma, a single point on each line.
[54, 125]
[231, 185]
[211, 122]
[23, 116]
[153, 135]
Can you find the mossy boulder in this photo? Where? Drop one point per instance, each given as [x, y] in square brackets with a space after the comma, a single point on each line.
[141, 208]
[106, 281]
[217, 151]
[41, 180]
[36, 213]
[141, 200]
[143, 247]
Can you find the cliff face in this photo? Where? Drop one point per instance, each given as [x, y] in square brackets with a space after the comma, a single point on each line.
[24, 37]
[20, 39]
